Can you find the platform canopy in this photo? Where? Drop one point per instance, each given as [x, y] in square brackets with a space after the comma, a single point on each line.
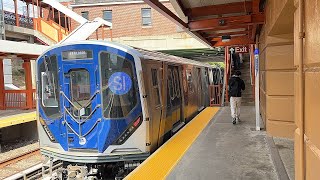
[235, 21]
[21, 49]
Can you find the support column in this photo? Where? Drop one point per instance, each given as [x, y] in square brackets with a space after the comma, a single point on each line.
[2, 87]
[33, 10]
[28, 78]
[16, 12]
[28, 14]
[65, 22]
[52, 13]
[110, 34]
[102, 29]
[227, 71]
[38, 9]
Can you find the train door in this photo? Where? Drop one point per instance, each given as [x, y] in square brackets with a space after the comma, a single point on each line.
[205, 82]
[199, 90]
[79, 102]
[153, 79]
[174, 98]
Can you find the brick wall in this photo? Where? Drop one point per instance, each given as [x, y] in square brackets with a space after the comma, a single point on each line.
[127, 21]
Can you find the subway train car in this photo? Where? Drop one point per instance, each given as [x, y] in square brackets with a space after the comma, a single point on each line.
[104, 107]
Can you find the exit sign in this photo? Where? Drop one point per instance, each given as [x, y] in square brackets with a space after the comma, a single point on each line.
[242, 49]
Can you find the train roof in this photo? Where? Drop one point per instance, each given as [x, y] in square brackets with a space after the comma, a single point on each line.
[146, 54]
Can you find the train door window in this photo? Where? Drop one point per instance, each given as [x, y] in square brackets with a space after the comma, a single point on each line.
[80, 92]
[177, 82]
[155, 86]
[189, 80]
[118, 88]
[49, 87]
[171, 89]
[210, 77]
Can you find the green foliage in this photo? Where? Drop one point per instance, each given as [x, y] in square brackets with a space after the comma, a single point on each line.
[217, 64]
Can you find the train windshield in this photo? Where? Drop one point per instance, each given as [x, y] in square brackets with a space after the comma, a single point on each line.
[48, 86]
[80, 91]
[118, 86]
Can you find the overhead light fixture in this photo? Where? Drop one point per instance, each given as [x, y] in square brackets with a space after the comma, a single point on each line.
[222, 22]
[226, 38]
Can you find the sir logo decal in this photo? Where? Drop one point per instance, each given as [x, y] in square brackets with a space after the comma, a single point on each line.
[120, 83]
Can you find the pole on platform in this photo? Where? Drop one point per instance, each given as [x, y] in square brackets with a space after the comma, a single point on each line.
[2, 88]
[225, 76]
[257, 93]
[28, 79]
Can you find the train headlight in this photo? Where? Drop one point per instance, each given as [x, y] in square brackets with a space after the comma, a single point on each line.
[129, 131]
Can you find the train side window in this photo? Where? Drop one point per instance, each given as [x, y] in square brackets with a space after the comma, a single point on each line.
[155, 86]
[49, 87]
[80, 91]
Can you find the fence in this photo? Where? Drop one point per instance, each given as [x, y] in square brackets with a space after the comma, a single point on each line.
[50, 29]
[17, 99]
[215, 95]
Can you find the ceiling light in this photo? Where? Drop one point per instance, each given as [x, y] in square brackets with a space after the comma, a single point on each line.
[226, 38]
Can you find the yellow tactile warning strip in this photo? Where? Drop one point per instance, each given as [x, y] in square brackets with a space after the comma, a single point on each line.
[161, 162]
[17, 119]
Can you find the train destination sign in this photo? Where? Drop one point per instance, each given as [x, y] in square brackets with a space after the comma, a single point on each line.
[120, 83]
[76, 54]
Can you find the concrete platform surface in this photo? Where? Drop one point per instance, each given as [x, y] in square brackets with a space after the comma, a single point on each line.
[286, 151]
[224, 151]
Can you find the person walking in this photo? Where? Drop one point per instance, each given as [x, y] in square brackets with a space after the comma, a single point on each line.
[236, 85]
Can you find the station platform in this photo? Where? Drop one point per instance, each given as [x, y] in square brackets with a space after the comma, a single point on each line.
[211, 147]
[14, 117]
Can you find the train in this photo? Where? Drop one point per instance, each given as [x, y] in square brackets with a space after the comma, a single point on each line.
[103, 107]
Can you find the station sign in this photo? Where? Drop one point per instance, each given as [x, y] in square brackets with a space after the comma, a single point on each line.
[241, 49]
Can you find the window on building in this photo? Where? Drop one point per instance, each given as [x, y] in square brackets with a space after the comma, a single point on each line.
[107, 15]
[146, 16]
[85, 14]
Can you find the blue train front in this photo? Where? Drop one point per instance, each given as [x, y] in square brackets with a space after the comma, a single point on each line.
[89, 105]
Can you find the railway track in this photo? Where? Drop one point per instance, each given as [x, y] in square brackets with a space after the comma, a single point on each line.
[18, 158]
[16, 161]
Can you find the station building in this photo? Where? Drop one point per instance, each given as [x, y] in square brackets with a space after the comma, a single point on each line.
[284, 31]
[135, 23]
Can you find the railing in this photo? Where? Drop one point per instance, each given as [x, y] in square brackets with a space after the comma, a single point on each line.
[10, 18]
[50, 29]
[215, 95]
[17, 99]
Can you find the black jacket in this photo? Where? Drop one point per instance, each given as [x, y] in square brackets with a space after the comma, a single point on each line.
[236, 84]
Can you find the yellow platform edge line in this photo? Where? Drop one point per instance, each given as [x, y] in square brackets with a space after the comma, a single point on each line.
[17, 119]
[162, 162]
